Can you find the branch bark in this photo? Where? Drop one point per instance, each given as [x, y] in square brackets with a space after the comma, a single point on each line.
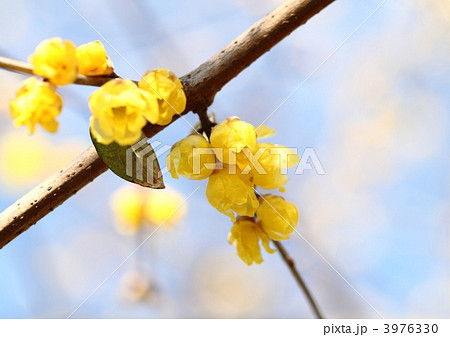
[50, 194]
[200, 86]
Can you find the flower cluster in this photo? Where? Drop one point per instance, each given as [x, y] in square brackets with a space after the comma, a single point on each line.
[120, 108]
[36, 103]
[236, 163]
[58, 62]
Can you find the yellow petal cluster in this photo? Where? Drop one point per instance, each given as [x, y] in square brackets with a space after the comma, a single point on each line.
[36, 102]
[167, 89]
[245, 235]
[119, 111]
[277, 217]
[230, 138]
[92, 59]
[135, 207]
[274, 160]
[191, 157]
[242, 165]
[59, 62]
[55, 59]
[230, 193]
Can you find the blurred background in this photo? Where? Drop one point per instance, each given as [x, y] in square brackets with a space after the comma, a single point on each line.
[376, 114]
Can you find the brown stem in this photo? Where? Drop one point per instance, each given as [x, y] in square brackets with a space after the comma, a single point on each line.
[291, 265]
[206, 124]
[200, 86]
[23, 67]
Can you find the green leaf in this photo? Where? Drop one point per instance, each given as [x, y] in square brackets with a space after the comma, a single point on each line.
[136, 163]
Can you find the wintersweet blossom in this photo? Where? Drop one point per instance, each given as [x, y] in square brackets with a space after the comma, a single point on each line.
[231, 192]
[271, 162]
[36, 102]
[242, 165]
[167, 89]
[277, 217]
[191, 157]
[245, 235]
[92, 59]
[55, 60]
[119, 112]
[230, 138]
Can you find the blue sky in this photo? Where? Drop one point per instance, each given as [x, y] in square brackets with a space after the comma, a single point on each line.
[376, 113]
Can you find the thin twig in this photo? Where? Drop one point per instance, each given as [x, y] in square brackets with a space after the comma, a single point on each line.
[25, 68]
[291, 265]
[200, 87]
[206, 123]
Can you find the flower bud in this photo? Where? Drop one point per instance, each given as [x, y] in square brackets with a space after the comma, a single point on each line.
[229, 192]
[92, 59]
[167, 89]
[55, 60]
[230, 138]
[277, 217]
[191, 157]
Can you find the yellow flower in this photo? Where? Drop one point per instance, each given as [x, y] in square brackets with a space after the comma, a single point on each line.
[268, 168]
[245, 235]
[168, 90]
[128, 206]
[277, 217]
[191, 157]
[55, 60]
[164, 207]
[229, 192]
[92, 59]
[230, 140]
[119, 111]
[36, 102]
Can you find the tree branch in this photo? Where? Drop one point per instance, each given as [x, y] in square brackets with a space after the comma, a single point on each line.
[202, 84]
[200, 87]
[48, 195]
[291, 265]
[23, 67]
